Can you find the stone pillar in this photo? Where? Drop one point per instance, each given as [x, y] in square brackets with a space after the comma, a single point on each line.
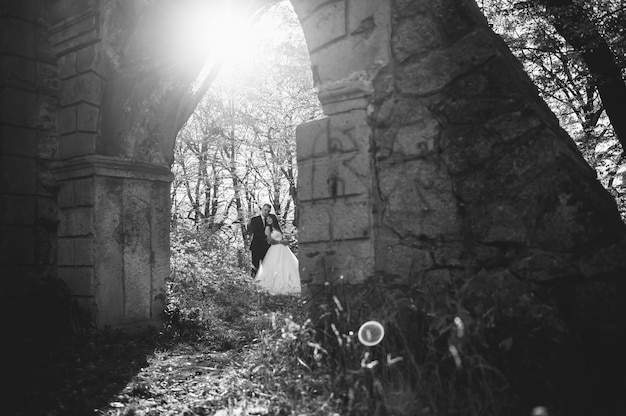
[114, 237]
[348, 43]
[28, 97]
[113, 249]
[336, 230]
[75, 43]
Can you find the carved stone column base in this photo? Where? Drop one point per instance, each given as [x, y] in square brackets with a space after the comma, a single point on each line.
[114, 237]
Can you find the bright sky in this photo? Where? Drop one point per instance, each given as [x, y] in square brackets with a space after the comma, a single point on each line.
[225, 31]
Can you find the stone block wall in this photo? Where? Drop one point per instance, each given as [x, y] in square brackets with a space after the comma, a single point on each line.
[335, 200]
[348, 44]
[29, 91]
[98, 223]
[75, 43]
[114, 237]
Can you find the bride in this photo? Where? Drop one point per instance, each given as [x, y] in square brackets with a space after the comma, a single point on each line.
[278, 272]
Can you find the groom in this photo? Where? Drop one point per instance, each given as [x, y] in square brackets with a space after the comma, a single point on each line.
[259, 244]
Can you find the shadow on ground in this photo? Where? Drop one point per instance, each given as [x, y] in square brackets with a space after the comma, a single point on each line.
[52, 364]
[71, 376]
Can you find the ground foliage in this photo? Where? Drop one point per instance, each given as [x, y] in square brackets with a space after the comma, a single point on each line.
[225, 348]
[228, 349]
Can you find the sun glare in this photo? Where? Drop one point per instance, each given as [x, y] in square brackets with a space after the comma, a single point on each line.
[212, 28]
[220, 32]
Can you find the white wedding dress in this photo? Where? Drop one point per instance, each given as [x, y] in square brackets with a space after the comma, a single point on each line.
[278, 272]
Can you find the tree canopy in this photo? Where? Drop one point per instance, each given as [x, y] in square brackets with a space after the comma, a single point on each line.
[574, 53]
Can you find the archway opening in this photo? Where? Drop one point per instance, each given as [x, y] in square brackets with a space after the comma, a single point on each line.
[236, 153]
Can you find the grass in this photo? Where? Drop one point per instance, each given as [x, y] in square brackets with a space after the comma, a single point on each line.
[227, 349]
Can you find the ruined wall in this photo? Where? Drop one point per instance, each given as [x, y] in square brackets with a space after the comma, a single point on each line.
[439, 167]
[447, 192]
[436, 162]
[113, 223]
[28, 102]
[475, 177]
[348, 44]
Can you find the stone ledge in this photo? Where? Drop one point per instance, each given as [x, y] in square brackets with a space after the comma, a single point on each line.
[71, 33]
[96, 165]
[345, 90]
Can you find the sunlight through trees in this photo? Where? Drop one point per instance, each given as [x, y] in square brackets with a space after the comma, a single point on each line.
[237, 151]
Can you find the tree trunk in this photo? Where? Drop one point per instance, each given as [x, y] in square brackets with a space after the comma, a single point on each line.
[571, 22]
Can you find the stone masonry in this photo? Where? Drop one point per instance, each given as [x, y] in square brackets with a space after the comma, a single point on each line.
[29, 89]
[436, 162]
[348, 43]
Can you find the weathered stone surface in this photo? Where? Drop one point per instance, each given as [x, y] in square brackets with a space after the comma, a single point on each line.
[365, 16]
[16, 141]
[349, 131]
[17, 175]
[47, 78]
[67, 65]
[46, 210]
[77, 144]
[65, 196]
[65, 253]
[87, 118]
[84, 192]
[87, 59]
[44, 252]
[351, 219]
[136, 202]
[16, 245]
[332, 178]
[79, 280]
[328, 262]
[76, 222]
[109, 247]
[22, 9]
[117, 223]
[458, 255]
[452, 172]
[312, 139]
[47, 145]
[324, 25]
[18, 107]
[83, 252]
[415, 36]
[353, 58]
[437, 69]
[419, 199]
[67, 120]
[304, 8]
[159, 248]
[577, 217]
[417, 140]
[314, 222]
[17, 209]
[47, 114]
[79, 30]
[403, 262]
[19, 72]
[85, 87]
[18, 37]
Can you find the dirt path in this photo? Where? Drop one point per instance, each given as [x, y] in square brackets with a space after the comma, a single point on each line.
[197, 382]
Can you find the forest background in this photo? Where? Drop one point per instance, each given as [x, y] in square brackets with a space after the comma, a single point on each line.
[238, 151]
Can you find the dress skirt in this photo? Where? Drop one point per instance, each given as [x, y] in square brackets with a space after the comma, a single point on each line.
[278, 272]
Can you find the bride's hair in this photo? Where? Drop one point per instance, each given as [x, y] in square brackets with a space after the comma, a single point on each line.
[272, 224]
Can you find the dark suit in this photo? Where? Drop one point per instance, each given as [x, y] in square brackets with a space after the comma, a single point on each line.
[259, 244]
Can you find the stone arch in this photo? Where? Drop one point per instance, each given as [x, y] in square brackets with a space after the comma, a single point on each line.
[430, 126]
[120, 110]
